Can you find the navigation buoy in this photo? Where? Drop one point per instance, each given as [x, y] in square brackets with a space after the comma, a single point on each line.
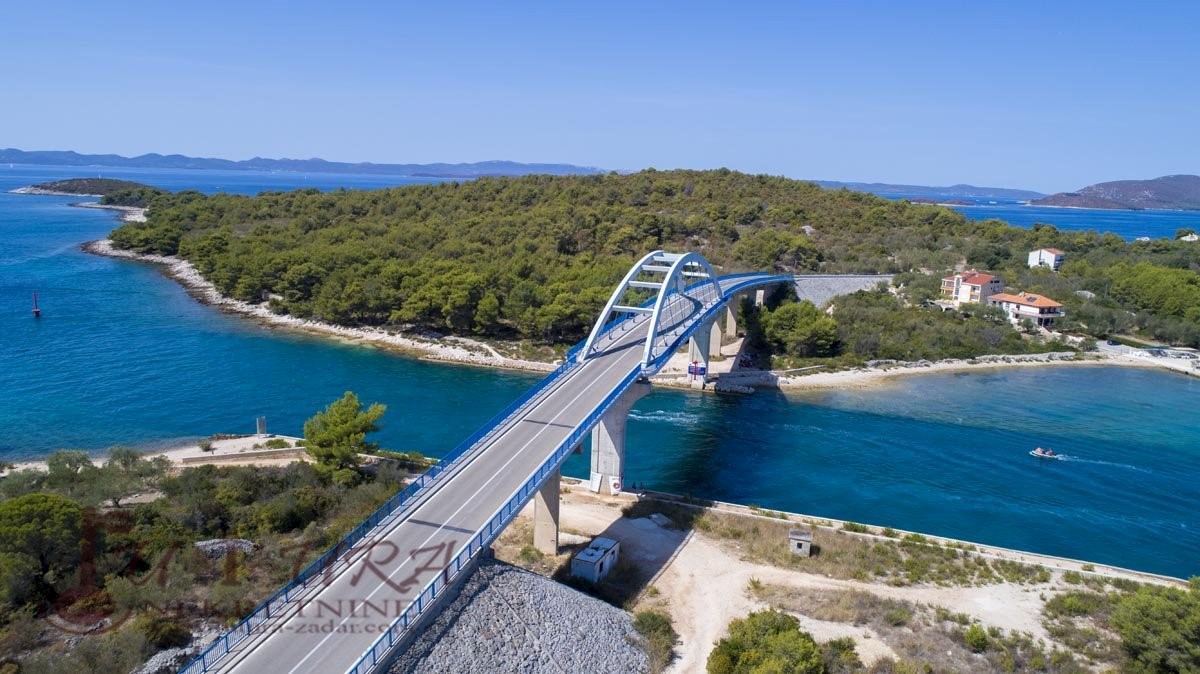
[37, 313]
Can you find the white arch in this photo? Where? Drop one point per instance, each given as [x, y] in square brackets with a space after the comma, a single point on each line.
[673, 276]
[677, 273]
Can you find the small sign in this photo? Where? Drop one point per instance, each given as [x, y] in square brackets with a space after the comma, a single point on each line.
[697, 369]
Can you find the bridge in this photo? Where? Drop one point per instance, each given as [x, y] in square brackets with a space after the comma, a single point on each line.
[350, 608]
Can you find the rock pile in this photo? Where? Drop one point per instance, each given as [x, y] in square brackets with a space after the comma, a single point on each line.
[510, 620]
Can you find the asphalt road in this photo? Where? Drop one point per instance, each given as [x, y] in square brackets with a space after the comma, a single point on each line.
[342, 615]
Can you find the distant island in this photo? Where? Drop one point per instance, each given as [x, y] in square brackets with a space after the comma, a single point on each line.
[82, 187]
[1177, 193]
[177, 161]
[954, 191]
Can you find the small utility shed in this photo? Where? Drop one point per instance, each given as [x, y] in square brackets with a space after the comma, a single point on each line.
[594, 562]
[800, 542]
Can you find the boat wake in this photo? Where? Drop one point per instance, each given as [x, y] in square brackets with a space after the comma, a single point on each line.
[665, 417]
[1076, 459]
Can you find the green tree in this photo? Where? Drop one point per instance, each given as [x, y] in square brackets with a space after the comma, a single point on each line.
[38, 533]
[766, 642]
[800, 329]
[336, 436]
[1160, 628]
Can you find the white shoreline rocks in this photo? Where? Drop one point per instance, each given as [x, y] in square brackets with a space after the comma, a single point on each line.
[450, 349]
[507, 619]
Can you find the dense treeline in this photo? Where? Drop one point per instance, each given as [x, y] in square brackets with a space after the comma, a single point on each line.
[536, 256]
[877, 324]
[75, 551]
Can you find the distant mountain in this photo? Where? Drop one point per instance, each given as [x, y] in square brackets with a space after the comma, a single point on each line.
[1177, 193]
[178, 161]
[953, 191]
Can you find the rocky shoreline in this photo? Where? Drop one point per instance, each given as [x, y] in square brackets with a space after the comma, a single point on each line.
[448, 349]
[461, 350]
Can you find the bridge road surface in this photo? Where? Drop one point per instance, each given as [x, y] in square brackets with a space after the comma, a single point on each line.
[330, 627]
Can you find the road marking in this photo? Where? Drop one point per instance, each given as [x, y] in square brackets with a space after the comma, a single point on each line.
[516, 454]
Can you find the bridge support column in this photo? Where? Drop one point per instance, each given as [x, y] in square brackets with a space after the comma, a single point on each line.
[714, 340]
[698, 351]
[545, 515]
[608, 442]
[731, 310]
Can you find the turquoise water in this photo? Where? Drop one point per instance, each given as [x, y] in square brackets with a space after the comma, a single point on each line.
[123, 355]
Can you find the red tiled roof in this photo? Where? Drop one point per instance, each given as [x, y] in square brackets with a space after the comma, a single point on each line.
[1027, 300]
[1053, 251]
[972, 277]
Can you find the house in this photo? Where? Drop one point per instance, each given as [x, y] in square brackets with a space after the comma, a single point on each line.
[970, 286]
[1037, 308]
[1046, 257]
[597, 560]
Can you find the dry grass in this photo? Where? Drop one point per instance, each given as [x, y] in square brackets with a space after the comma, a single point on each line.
[926, 638]
[906, 561]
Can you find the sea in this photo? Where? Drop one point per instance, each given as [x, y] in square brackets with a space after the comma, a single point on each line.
[123, 356]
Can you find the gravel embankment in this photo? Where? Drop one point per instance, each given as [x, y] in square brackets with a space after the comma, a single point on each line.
[507, 619]
[821, 289]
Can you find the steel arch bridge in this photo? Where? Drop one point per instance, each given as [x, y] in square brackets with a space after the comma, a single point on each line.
[411, 550]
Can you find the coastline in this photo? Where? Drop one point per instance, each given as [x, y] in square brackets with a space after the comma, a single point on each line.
[460, 350]
[449, 349]
[126, 213]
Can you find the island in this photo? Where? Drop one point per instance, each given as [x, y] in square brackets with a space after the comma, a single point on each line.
[1176, 193]
[130, 199]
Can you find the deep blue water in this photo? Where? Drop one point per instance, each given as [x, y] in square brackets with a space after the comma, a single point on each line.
[123, 355]
[1128, 224]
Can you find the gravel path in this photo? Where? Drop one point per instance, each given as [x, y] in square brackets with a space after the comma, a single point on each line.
[507, 619]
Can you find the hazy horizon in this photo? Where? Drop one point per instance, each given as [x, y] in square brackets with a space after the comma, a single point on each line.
[1047, 97]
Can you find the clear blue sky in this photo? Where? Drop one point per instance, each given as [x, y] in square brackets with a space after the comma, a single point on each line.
[1046, 95]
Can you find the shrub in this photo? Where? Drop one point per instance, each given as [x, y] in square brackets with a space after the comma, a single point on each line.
[976, 638]
[206, 446]
[855, 528]
[162, 632]
[1160, 628]
[277, 443]
[766, 641]
[656, 628]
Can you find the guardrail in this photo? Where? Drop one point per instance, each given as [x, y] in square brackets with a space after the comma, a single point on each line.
[278, 601]
[378, 651]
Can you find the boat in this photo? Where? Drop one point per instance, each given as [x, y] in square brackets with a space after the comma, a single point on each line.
[1045, 453]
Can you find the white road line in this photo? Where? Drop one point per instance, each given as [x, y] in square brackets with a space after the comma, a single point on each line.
[467, 502]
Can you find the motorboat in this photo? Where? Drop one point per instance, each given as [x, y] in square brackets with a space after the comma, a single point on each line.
[1044, 453]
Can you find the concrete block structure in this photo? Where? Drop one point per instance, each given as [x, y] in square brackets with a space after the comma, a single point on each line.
[1037, 308]
[800, 542]
[1046, 257]
[970, 287]
[597, 560]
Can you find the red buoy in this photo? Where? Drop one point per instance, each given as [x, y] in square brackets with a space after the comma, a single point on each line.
[37, 313]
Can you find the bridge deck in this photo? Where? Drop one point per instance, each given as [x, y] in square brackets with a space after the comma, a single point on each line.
[341, 615]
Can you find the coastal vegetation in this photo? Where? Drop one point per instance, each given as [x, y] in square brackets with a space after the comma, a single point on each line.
[92, 187]
[93, 581]
[535, 257]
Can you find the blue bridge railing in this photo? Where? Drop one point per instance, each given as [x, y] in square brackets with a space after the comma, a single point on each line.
[278, 602]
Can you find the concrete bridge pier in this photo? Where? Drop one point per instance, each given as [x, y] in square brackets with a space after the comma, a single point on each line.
[608, 442]
[704, 343]
[731, 312]
[545, 515]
